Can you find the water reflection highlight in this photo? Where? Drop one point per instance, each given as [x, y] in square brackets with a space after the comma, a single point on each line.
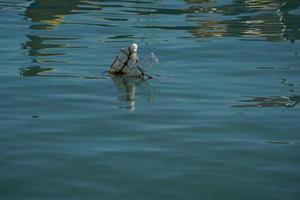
[128, 86]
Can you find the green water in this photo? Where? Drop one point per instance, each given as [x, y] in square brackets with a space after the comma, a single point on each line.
[220, 120]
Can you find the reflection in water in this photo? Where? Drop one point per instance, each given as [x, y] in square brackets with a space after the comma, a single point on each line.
[34, 71]
[42, 48]
[128, 87]
[50, 13]
[272, 101]
[45, 46]
[271, 19]
[47, 15]
[37, 48]
[37, 70]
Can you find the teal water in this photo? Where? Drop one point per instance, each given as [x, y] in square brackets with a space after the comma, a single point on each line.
[220, 120]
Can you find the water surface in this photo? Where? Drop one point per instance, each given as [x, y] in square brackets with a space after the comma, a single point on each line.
[220, 120]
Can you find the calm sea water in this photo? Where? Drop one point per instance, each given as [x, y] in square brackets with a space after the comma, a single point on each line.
[220, 120]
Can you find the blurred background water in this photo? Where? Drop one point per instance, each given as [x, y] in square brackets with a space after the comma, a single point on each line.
[219, 121]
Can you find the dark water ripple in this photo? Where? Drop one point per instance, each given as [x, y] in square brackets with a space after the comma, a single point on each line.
[218, 121]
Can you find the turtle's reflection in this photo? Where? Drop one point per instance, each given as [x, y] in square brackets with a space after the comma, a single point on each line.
[130, 86]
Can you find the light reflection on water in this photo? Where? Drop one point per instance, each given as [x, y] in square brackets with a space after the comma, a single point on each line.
[224, 103]
[268, 19]
[271, 20]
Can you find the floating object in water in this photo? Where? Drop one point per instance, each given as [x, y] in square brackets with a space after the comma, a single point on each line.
[127, 63]
[148, 61]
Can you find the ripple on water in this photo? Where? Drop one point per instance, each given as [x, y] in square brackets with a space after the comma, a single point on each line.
[223, 104]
